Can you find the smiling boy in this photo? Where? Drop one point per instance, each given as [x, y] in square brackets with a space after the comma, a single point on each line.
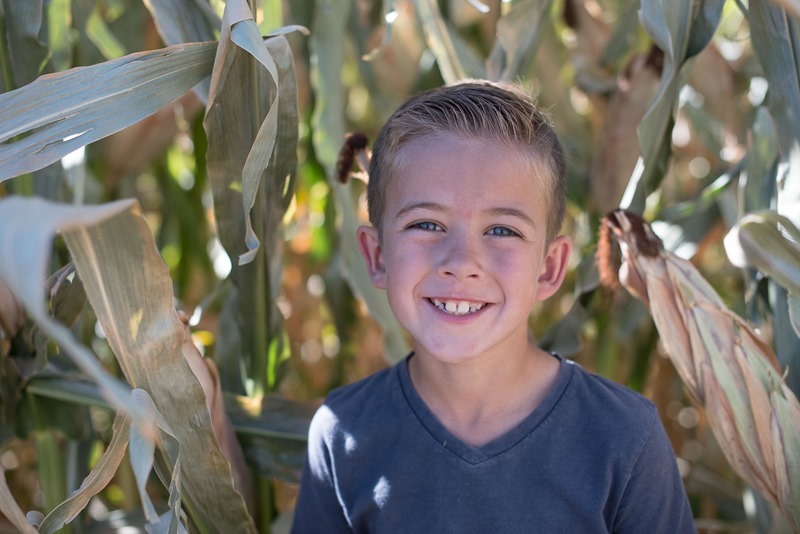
[479, 429]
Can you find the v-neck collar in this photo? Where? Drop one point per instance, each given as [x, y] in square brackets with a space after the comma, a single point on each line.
[499, 445]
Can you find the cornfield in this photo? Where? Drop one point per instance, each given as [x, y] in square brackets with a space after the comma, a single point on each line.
[180, 283]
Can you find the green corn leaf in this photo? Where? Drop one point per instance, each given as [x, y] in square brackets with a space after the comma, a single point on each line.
[329, 129]
[518, 35]
[681, 29]
[439, 37]
[24, 26]
[186, 21]
[59, 113]
[759, 241]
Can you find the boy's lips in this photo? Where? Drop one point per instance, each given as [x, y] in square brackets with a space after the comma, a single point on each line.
[457, 306]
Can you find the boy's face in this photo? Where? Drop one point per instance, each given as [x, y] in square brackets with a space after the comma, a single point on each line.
[463, 252]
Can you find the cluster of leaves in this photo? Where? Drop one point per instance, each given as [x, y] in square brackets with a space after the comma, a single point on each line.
[683, 111]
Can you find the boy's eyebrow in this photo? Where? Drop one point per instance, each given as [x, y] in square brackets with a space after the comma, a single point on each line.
[512, 212]
[433, 206]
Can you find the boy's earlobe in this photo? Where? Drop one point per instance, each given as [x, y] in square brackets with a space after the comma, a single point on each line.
[369, 244]
[554, 268]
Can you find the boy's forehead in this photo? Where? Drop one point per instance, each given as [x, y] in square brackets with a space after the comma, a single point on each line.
[454, 169]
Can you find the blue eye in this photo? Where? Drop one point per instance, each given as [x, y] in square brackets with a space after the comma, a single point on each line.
[502, 231]
[428, 226]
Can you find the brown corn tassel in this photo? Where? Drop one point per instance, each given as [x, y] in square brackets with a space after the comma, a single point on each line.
[353, 150]
[723, 363]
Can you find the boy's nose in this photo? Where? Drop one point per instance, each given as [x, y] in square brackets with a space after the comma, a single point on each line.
[461, 258]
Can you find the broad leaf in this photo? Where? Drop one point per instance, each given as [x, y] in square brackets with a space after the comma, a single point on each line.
[518, 34]
[27, 228]
[59, 113]
[186, 21]
[98, 479]
[329, 130]
[129, 287]
[252, 160]
[439, 37]
[24, 26]
[10, 508]
[681, 29]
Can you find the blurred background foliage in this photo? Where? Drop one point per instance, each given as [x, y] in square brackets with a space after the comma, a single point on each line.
[685, 112]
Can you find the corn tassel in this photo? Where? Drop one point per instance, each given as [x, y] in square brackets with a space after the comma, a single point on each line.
[725, 366]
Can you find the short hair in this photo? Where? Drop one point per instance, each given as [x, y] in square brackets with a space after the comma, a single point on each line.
[472, 110]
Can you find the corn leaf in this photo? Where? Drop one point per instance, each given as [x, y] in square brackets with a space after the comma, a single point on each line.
[142, 454]
[27, 227]
[130, 290]
[252, 159]
[327, 45]
[10, 508]
[439, 37]
[98, 478]
[59, 113]
[28, 53]
[759, 241]
[518, 34]
[681, 29]
[186, 21]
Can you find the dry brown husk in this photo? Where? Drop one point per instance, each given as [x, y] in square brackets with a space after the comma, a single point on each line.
[724, 364]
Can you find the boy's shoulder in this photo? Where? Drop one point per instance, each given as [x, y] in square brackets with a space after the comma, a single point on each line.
[619, 421]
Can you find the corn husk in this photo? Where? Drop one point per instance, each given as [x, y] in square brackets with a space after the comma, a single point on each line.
[725, 366]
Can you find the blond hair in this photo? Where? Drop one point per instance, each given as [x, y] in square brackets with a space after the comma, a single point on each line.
[474, 110]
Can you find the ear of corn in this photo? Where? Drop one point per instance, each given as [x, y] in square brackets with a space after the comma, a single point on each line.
[725, 366]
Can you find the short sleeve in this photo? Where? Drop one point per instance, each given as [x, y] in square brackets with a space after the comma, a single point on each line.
[654, 500]
[318, 509]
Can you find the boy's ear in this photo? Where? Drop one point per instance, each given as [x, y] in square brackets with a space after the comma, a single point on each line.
[554, 267]
[369, 243]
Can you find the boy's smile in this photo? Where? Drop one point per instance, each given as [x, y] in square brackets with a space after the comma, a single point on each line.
[463, 252]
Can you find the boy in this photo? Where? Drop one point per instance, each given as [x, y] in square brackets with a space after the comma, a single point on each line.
[478, 429]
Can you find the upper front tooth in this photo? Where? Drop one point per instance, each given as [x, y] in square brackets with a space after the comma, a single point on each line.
[451, 306]
[463, 307]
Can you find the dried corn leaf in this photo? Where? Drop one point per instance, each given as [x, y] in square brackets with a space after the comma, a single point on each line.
[98, 478]
[130, 290]
[10, 508]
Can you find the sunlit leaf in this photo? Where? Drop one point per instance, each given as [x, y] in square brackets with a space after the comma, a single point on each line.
[518, 34]
[130, 290]
[27, 228]
[252, 133]
[440, 38]
[329, 130]
[759, 241]
[64, 111]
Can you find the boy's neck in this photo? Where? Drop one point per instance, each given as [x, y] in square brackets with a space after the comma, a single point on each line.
[480, 400]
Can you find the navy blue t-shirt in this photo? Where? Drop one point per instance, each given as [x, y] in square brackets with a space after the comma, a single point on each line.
[592, 457]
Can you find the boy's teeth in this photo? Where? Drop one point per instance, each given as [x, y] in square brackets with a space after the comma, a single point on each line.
[456, 307]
